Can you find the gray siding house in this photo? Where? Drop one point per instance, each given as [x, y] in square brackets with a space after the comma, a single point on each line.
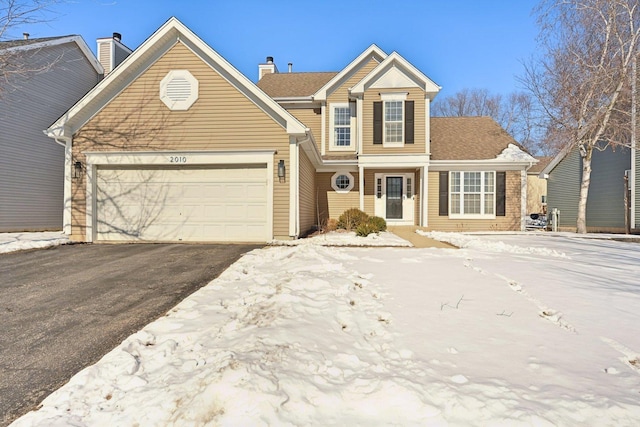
[605, 204]
[53, 74]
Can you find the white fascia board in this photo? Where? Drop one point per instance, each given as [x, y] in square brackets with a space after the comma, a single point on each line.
[321, 94]
[310, 147]
[174, 30]
[477, 165]
[394, 160]
[429, 85]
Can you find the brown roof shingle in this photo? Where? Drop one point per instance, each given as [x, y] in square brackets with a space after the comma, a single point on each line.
[279, 85]
[543, 161]
[468, 138]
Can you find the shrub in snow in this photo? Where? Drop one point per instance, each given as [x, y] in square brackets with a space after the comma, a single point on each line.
[379, 223]
[351, 219]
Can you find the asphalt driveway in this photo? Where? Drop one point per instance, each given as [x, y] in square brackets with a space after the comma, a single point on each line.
[62, 309]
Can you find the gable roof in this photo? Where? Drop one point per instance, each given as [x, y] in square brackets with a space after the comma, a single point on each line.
[396, 61]
[294, 85]
[167, 36]
[543, 161]
[13, 47]
[372, 51]
[468, 138]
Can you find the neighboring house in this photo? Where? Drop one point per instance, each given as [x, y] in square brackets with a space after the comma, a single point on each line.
[177, 145]
[537, 187]
[51, 74]
[606, 200]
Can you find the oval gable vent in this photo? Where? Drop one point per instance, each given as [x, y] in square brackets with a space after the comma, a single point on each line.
[179, 90]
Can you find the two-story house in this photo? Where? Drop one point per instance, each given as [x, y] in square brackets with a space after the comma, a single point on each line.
[178, 145]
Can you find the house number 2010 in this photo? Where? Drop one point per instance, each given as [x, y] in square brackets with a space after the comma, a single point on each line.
[177, 159]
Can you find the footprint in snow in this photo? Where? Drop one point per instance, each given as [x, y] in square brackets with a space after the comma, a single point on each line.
[459, 379]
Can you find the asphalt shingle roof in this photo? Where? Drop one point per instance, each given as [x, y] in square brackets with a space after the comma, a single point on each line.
[279, 85]
[468, 138]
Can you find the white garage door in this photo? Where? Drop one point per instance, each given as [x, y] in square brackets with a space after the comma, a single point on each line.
[182, 204]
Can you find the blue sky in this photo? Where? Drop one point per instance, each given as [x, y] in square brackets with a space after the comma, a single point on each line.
[457, 43]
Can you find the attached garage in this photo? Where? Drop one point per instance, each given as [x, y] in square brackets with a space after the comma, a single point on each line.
[182, 204]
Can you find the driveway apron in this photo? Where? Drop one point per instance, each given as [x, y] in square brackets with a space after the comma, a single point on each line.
[62, 309]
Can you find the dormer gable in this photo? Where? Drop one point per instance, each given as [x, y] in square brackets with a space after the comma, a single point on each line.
[396, 72]
[372, 52]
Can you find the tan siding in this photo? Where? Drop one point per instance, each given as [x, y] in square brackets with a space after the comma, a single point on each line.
[536, 188]
[511, 221]
[221, 119]
[105, 56]
[341, 95]
[307, 196]
[332, 204]
[312, 119]
[373, 95]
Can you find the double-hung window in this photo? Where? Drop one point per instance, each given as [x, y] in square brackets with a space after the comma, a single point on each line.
[472, 194]
[393, 122]
[341, 138]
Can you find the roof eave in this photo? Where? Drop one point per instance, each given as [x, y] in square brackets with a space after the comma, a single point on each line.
[321, 94]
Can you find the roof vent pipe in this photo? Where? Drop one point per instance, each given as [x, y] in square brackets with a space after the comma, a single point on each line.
[117, 36]
[26, 36]
[290, 66]
[269, 59]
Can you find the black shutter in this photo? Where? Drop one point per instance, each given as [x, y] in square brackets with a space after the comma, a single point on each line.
[408, 122]
[444, 194]
[501, 193]
[377, 122]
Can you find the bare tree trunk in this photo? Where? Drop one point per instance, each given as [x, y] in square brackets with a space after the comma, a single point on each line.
[581, 223]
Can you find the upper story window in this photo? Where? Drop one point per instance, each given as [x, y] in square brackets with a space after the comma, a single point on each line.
[393, 120]
[472, 194]
[340, 118]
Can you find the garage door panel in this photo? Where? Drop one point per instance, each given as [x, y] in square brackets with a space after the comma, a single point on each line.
[182, 204]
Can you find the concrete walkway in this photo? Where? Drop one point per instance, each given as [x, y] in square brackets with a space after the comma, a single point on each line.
[408, 232]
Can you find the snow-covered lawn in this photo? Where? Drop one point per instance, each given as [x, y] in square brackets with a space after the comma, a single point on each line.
[512, 330]
[10, 242]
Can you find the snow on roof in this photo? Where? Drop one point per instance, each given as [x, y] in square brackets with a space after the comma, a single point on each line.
[514, 153]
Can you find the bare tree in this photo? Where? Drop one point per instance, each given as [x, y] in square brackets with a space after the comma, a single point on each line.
[18, 15]
[582, 77]
[514, 112]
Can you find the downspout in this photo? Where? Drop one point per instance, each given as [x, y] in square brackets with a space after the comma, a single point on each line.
[66, 203]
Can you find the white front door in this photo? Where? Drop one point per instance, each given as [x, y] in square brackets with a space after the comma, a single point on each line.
[395, 197]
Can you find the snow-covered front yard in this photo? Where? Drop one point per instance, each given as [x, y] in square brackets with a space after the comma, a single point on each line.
[523, 329]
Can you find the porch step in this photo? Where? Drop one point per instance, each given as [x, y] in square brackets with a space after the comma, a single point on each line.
[408, 232]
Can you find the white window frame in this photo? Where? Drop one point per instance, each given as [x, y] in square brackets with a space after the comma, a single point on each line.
[483, 193]
[334, 183]
[392, 97]
[332, 138]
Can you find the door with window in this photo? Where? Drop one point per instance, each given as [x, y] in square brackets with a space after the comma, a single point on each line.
[395, 198]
